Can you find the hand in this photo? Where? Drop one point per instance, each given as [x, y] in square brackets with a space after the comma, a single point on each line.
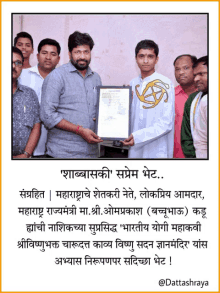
[22, 156]
[89, 135]
[129, 141]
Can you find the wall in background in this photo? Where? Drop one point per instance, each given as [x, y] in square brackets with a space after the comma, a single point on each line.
[116, 36]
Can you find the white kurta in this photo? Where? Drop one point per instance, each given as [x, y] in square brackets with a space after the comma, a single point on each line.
[32, 78]
[194, 111]
[200, 131]
[152, 117]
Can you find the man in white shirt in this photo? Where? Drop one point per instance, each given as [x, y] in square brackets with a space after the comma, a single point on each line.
[48, 58]
[152, 109]
[200, 131]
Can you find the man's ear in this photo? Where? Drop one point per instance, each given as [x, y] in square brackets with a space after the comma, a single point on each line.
[58, 60]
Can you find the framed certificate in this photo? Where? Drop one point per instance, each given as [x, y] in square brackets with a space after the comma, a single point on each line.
[113, 112]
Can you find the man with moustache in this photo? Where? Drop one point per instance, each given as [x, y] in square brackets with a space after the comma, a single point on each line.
[192, 107]
[48, 58]
[68, 103]
[26, 120]
[183, 65]
[24, 42]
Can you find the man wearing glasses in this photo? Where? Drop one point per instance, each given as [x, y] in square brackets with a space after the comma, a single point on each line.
[26, 120]
[189, 129]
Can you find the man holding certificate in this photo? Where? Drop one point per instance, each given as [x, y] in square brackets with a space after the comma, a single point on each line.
[152, 110]
[69, 101]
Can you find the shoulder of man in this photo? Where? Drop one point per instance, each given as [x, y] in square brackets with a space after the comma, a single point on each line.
[163, 78]
[63, 68]
[96, 74]
[135, 80]
[97, 78]
[204, 99]
[191, 98]
[24, 73]
[178, 89]
[27, 90]
[27, 74]
[57, 73]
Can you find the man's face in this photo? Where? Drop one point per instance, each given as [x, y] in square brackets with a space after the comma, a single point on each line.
[81, 57]
[184, 71]
[16, 69]
[48, 58]
[146, 61]
[24, 44]
[201, 77]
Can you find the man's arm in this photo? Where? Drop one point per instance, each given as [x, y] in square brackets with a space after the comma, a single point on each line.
[85, 133]
[32, 142]
[52, 89]
[186, 135]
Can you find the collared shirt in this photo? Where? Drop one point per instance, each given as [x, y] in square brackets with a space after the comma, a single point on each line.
[32, 78]
[25, 116]
[180, 99]
[66, 94]
[152, 117]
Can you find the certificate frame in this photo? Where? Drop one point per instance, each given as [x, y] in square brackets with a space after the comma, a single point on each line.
[99, 118]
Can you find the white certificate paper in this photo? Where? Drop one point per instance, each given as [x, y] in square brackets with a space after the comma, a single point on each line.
[113, 113]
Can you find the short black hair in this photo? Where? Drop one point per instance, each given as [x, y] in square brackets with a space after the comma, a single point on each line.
[23, 35]
[193, 58]
[147, 44]
[49, 42]
[203, 60]
[79, 39]
[17, 51]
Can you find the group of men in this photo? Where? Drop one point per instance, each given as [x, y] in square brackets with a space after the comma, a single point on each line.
[54, 109]
[191, 107]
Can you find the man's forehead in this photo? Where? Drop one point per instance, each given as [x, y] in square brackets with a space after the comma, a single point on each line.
[146, 52]
[200, 68]
[24, 40]
[49, 48]
[17, 56]
[183, 59]
[82, 47]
